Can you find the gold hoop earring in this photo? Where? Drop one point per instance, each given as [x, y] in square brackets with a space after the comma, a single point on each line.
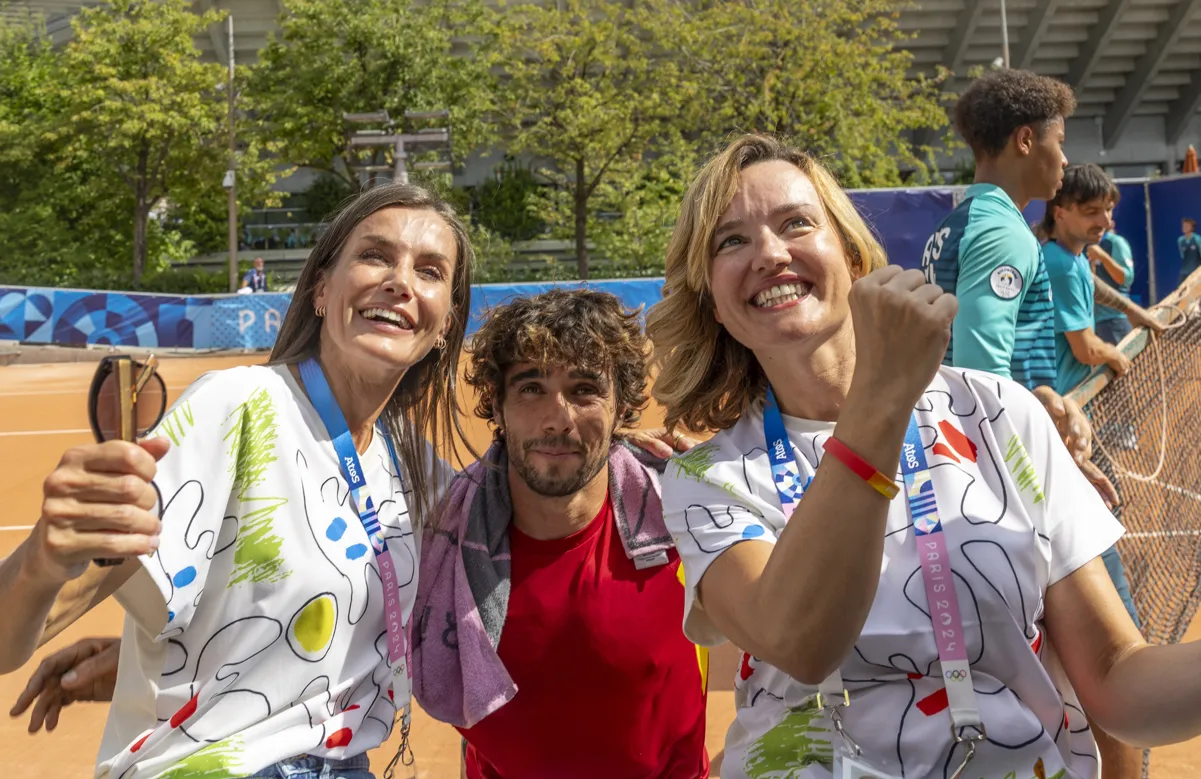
[320, 311]
[440, 343]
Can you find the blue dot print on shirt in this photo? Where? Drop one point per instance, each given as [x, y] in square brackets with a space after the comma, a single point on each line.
[336, 529]
[184, 577]
[356, 551]
[752, 531]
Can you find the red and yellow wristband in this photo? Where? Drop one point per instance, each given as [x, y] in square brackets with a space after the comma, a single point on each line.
[860, 467]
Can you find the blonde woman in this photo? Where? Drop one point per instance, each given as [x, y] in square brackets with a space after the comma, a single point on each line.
[911, 541]
[267, 611]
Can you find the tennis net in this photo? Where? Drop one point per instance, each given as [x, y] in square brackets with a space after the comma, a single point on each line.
[1147, 427]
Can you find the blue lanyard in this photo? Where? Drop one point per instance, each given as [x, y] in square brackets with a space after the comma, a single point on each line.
[348, 458]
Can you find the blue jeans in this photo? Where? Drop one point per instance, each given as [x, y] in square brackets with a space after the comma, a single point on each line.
[1112, 331]
[1117, 573]
[311, 767]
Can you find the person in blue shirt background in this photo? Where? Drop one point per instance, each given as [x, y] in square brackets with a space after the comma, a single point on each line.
[1077, 216]
[256, 278]
[985, 254]
[1113, 264]
[1190, 248]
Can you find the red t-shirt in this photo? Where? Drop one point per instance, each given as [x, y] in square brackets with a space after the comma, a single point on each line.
[607, 684]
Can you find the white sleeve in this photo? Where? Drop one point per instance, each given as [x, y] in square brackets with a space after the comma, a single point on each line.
[1073, 516]
[196, 479]
[709, 507]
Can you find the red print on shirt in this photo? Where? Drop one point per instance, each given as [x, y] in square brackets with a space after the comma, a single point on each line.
[960, 443]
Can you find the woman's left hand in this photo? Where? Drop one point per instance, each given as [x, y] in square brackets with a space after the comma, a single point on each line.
[660, 442]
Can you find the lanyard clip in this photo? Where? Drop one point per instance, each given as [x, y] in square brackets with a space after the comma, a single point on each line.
[404, 753]
[957, 734]
[825, 704]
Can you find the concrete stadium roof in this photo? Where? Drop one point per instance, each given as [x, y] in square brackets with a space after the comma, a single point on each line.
[1124, 58]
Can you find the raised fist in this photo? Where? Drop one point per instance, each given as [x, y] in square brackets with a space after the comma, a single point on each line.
[902, 327]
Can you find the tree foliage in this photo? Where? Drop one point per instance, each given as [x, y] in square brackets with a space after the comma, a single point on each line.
[134, 94]
[587, 92]
[122, 122]
[832, 76]
[332, 57]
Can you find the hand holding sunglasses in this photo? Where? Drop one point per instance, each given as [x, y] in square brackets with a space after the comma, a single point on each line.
[100, 502]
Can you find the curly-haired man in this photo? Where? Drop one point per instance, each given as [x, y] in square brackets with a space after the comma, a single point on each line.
[550, 604]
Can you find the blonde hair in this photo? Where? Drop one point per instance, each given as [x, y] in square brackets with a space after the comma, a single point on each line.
[424, 404]
[705, 378]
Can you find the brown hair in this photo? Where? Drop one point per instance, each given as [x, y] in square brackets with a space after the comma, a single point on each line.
[995, 105]
[424, 402]
[579, 329]
[1081, 184]
[705, 378]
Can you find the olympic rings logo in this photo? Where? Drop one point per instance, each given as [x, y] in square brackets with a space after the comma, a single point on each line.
[955, 675]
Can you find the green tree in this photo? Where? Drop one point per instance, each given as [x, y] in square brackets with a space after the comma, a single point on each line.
[502, 203]
[590, 88]
[333, 57]
[51, 218]
[830, 75]
[135, 100]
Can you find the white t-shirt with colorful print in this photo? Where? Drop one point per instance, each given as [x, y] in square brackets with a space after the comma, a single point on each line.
[256, 631]
[1018, 517]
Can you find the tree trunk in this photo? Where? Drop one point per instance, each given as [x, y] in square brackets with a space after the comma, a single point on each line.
[581, 219]
[141, 215]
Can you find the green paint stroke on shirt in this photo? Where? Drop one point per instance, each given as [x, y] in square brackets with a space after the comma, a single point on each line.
[177, 424]
[695, 464]
[1022, 468]
[799, 740]
[215, 761]
[251, 450]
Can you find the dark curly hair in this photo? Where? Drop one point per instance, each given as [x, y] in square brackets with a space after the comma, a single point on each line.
[1001, 101]
[580, 328]
[1081, 184]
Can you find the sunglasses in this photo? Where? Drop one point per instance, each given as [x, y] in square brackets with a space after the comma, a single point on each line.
[126, 401]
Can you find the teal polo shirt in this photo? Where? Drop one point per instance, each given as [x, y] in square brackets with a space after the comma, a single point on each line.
[1118, 248]
[985, 255]
[1072, 286]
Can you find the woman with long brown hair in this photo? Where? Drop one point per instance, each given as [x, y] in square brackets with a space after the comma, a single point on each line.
[267, 611]
[906, 552]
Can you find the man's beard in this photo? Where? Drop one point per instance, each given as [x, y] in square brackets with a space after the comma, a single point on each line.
[555, 483]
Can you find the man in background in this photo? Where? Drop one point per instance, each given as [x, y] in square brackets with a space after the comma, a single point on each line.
[255, 279]
[1113, 264]
[1078, 216]
[1189, 244]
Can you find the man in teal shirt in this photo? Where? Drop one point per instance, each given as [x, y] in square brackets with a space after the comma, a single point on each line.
[1113, 264]
[1189, 244]
[984, 252]
[1076, 217]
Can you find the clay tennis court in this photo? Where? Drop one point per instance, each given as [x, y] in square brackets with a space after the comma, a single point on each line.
[43, 412]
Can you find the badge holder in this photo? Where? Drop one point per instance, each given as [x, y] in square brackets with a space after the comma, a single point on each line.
[849, 761]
